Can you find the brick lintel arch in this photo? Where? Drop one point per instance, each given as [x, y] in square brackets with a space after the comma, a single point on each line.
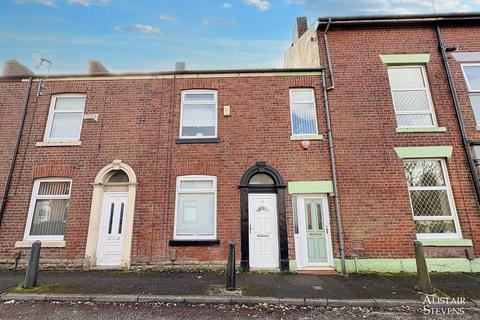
[279, 188]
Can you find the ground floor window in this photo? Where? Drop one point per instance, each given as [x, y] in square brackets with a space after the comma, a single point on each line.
[48, 209]
[431, 199]
[195, 213]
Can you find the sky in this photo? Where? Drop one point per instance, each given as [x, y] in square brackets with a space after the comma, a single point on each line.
[151, 35]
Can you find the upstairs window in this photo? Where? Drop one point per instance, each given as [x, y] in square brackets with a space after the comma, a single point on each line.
[431, 199]
[196, 208]
[472, 76]
[65, 118]
[411, 97]
[303, 112]
[48, 209]
[199, 114]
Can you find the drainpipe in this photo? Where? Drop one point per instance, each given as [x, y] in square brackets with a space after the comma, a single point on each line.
[338, 214]
[329, 58]
[458, 113]
[15, 153]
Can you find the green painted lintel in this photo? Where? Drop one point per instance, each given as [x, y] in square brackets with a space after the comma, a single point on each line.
[424, 152]
[447, 243]
[310, 187]
[298, 73]
[306, 137]
[434, 129]
[292, 265]
[393, 59]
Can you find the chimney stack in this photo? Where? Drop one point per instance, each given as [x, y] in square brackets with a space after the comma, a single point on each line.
[14, 68]
[180, 66]
[301, 26]
[96, 67]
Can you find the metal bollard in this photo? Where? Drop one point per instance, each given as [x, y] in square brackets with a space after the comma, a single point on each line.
[422, 271]
[231, 276]
[32, 268]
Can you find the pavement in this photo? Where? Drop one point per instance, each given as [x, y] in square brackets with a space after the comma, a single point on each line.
[207, 287]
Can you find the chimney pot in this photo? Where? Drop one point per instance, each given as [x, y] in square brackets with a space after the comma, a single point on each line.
[180, 66]
[96, 67]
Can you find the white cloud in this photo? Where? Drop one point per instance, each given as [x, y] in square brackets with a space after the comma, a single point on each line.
[138, 28]
[85, 3]
[219, 21]
[415, 6]
[51, 3]
[356, 7]
[44, 2]
[165, 17]
[262, 5]
[229, 5]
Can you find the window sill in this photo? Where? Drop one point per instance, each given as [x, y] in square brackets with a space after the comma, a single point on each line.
[193, 243]
[306, 137]
[427, 129]
[45, 244]
[199, 140]
[447, 243]
[58, 143]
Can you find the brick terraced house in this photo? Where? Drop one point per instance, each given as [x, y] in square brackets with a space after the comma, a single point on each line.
[364, 143]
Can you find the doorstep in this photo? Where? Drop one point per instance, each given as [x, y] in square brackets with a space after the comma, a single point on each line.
[319, 271]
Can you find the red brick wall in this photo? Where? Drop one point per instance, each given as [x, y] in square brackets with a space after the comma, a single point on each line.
[135, 126]
[139, 122]
[372, 184]
[12, 95]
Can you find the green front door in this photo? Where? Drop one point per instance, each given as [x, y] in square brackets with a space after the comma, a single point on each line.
[316, 240]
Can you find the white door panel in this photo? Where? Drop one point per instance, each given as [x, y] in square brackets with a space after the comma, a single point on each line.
[263, 231]
[112, 223]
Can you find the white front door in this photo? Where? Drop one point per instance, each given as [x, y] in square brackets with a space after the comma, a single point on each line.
[314, 239]
[112, 224]
[263, 231]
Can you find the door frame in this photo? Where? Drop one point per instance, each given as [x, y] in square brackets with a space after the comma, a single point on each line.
[103, 214]
[279, 189]
[102, 185]
[301, 251]
[275, 231]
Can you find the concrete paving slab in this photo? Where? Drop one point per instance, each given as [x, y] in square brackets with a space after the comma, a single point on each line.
[67, 297]
[399, 303]
[317, 302]
[160, 298]
[208, 299]
[115, 298]
[292, 301]
[24, 296]
[255, 300]
[351, 303]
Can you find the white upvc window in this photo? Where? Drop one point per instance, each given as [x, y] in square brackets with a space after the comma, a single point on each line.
[476, 150]
[303, 112]
[65, 117]
[431, 199]
[198, 116]
[47, 214]
[471, 72]
[196, 208]
[411, 97]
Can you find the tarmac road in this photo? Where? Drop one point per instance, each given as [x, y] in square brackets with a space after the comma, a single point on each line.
[146, 311]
